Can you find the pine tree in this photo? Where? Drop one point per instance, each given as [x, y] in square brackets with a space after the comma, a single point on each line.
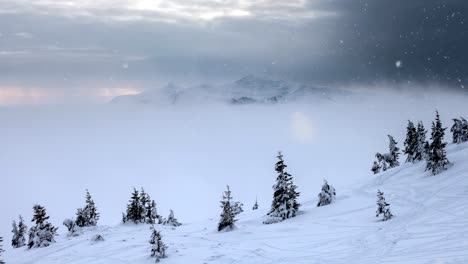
[464, 130]
[144, 201]
[457, 131]
[376, 167]
[255, 206]
[19, 240]
[228, 217]
[383, 207]
[411, 142]
[1, 250]
[327, 195]
[392, 157]
[437, 160]
[43, 233]
[158, 248]
[134, 209]
[152, 213]
[284, 204]
[171, 220]
[422, 147]
[81, 218]
[90, 210]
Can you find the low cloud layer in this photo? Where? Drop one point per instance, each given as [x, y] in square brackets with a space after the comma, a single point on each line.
[102, 44]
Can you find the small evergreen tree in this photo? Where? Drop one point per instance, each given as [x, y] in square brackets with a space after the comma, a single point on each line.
[255, 206]
[134, 209]
[43, 233]
[92, 215]
[383, 207]
[144, 203]
[228, 216]
[464, 130]
[171, 220]
[1, 250]
[392, 157]
[437, 160]
[81, 217]
[284, 204]
[88, 215]
[158, 248]
[376, 167]
[421, 150]
[411, 142]
[457, 131]
[327, 195]
[152, 213]
[19, 240]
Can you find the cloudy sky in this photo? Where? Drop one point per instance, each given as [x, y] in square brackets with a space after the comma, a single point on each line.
[102, 48]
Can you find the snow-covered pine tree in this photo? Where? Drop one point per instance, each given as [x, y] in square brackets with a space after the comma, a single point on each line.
[152, 216]
[144, 202]
[81, 217]
[255, 206]
[1, 250]
[19, 231]
[284, 204]
[90, 211]
[43, 233]
[411, 142]
[228, 217]
[437, 159]
[392, 157]
[376, 167]
[134, 210]
[457, 131]
[171, 220]
[327, 195]
[422, 146]
[158, 248]
[464, 129]
[383, 207]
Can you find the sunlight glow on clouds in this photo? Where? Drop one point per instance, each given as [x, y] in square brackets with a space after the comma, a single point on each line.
[167, 10]
[12, 95]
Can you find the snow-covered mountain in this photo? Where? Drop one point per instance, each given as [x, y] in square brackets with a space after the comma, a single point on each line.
[430, 226]
[247, 90]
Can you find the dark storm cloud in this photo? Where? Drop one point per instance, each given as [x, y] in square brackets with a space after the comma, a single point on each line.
[318, 41]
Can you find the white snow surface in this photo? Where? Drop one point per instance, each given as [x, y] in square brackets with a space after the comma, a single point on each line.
[430, 226]
[184, 157]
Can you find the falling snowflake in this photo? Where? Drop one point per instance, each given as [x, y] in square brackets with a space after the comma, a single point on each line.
[398, 64]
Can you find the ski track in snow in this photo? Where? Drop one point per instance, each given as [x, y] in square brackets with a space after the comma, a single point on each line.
[430, 226]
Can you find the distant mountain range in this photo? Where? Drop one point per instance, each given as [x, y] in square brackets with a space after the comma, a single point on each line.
[247, 90]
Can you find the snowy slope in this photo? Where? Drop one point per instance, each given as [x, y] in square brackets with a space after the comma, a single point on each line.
[430, 226]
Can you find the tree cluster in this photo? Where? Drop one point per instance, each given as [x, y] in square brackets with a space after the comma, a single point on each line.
[141, 209]
[19, 233]
[88, 215]
[387, 160]
[459, 130]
